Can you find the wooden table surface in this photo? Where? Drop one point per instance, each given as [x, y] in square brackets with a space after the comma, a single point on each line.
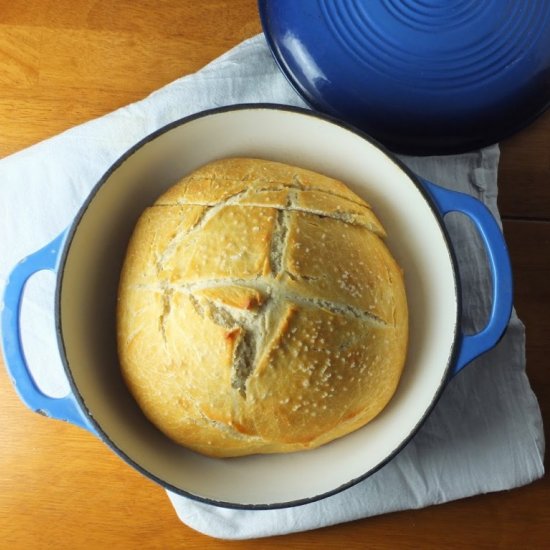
[63, 62]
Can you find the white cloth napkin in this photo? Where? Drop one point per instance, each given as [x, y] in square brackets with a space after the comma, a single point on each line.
[484, 435]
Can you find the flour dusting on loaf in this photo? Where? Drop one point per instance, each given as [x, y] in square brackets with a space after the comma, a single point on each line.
[260, 311]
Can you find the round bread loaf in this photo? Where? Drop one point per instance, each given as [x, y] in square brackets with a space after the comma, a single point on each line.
[260, 311]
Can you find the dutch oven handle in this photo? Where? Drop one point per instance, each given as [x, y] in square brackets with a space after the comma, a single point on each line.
[471, 346]
[63, 408]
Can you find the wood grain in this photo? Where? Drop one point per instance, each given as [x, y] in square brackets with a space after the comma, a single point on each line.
[524, 173]
[63, 62]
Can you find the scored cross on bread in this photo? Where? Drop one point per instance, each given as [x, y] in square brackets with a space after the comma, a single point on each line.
[260, 311]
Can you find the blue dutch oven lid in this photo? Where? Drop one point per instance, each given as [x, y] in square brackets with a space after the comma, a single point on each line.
[420, 76]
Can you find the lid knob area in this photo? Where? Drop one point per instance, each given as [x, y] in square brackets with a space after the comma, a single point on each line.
[421, 76]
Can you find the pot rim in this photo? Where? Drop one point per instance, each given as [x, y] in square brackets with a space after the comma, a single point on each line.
[129, 153]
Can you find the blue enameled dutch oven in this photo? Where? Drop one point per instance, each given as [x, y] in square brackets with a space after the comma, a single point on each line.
[87, 259]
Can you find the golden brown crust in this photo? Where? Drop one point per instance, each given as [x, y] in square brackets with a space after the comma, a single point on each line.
[260, 311]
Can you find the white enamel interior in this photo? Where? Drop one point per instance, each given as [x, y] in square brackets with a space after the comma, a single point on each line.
[90, 279]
